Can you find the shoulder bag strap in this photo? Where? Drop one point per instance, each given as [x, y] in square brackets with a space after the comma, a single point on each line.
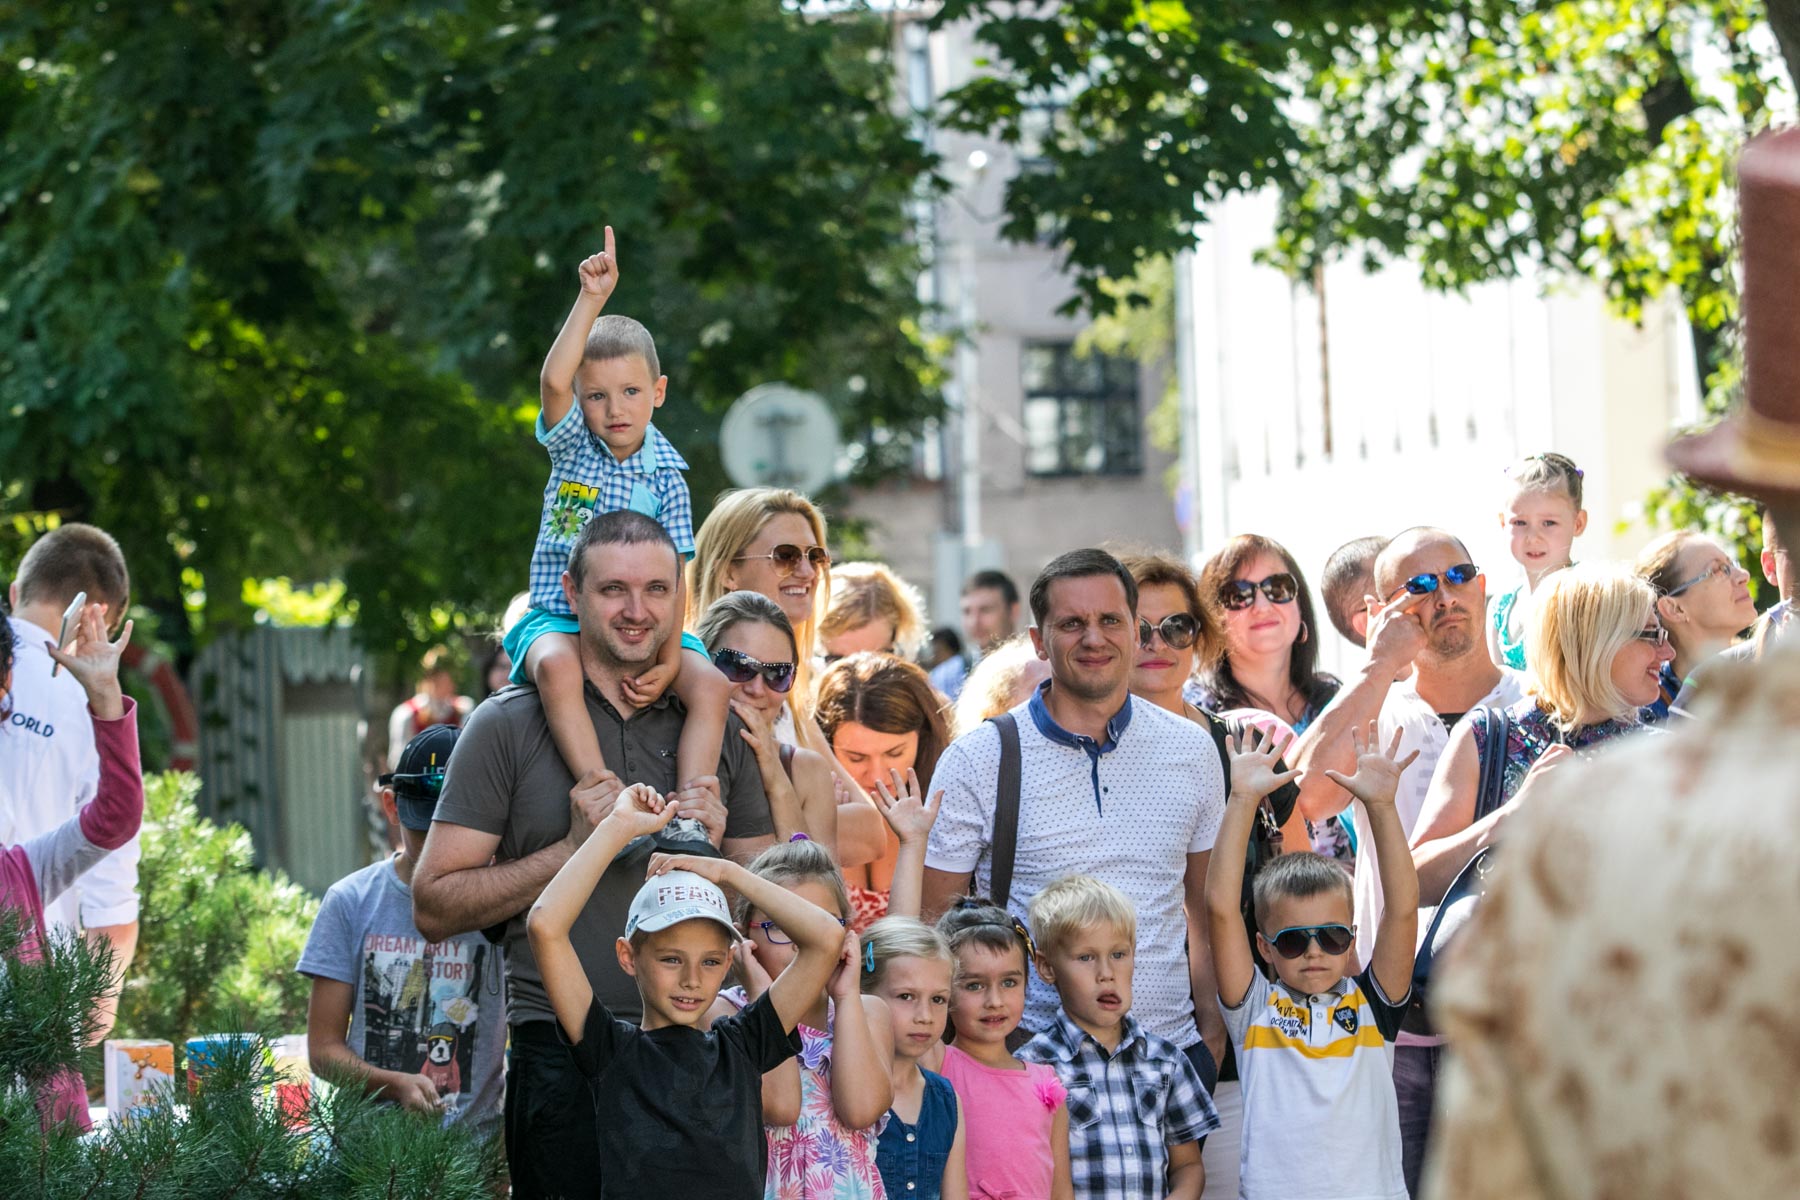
[1493, 761]
[1006, 810]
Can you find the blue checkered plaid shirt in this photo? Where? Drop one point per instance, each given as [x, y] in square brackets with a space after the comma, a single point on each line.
[1126, 1109]
[585, 479]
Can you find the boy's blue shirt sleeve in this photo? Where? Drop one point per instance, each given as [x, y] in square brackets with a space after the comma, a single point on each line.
[570, 432]
[330, 951]
[677, 509]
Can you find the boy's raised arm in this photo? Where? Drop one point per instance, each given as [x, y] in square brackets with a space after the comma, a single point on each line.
[1376, 780]
[638, 811]
[556, 381]
[1253, 776]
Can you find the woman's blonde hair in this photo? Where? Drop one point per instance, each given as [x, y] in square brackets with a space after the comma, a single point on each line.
[991, 687]
[734, 523]
[900, 937]
[1585, 615]
[862, 592]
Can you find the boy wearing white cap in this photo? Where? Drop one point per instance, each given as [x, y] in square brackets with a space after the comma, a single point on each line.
[678, 1111]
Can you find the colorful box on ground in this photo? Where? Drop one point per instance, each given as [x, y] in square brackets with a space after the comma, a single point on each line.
[293, 1077]
[204, 1052]
[138, 1075]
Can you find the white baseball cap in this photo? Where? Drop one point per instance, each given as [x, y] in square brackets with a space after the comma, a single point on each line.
[674, 897]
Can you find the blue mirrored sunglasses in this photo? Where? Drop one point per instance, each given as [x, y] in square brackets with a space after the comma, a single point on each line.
[1424, 585]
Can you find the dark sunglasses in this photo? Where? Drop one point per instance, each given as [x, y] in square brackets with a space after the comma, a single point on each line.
[1292, 941]
[739, 667]
[1280, 588]
[430, 782]
[787, 556]
[1177, 630]
[1424, 585]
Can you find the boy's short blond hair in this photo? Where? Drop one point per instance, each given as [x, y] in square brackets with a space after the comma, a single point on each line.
[618, 336]
[1074, 903]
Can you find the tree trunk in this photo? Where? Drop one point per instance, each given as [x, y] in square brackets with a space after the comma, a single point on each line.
[1784, 19]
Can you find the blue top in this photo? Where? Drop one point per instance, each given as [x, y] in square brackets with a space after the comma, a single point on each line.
[911, 1157]
[1532, 732]
[586, 479]
[1512, 653]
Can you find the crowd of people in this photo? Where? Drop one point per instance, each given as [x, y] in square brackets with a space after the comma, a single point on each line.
[751, 883]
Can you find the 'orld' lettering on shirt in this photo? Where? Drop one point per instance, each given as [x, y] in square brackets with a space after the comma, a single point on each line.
[25, 724]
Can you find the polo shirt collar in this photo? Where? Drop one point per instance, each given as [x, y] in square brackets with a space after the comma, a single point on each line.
[656, 454]
[1065, 1039]
[1046, 724]
[1336, 991]
[667, 699]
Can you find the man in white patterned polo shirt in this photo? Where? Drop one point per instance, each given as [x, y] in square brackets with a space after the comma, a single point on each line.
[1126, 792]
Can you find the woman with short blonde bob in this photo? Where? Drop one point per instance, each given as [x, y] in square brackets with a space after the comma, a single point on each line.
[872, 608]
[1003, 679]
[1596, 651]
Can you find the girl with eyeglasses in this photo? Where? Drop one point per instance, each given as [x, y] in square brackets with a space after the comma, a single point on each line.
[1270, 654]
[821, 1110]
[1702, 599]
[753, 645]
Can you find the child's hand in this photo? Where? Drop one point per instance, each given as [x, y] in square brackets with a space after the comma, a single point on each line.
[846, 979]
[750, 970]
[1253, 763]
[600, 272]
[94, 661]
[639, 811]
[648, 685]
[1377, 775]
[713, 870]
[415, 1092]
[905, 809]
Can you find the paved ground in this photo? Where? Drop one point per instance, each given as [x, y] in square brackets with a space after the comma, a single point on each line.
[1221, 1153]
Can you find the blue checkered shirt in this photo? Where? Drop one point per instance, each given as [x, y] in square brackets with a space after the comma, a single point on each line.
[585, 479]
[1126, 1109]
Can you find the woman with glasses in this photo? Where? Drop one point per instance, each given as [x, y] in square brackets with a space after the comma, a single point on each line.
[1703, 600]
[752, 644]
[879, 714]
[1269, 654]
[1595, 653]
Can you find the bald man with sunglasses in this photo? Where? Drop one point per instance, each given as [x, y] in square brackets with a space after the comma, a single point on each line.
[1428, 615]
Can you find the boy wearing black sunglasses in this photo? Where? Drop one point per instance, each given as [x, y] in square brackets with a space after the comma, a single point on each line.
[1315, 1045]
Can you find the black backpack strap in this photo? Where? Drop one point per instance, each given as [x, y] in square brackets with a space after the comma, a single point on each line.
[1005, 846]
[1497, 727]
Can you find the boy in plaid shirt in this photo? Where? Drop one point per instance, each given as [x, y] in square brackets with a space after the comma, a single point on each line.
[599, 386]
[1137, 1108]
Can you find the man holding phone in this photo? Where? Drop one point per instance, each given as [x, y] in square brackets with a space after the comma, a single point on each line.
[48, 765]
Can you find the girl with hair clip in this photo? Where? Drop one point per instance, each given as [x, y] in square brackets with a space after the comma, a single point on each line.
[1017, 1121]
[822, 1111]
[1542, 518]
[907, 964]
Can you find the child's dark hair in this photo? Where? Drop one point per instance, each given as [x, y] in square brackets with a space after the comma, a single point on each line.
[796, 862]
[974, 921]
[1299, 875]
[1547, 472]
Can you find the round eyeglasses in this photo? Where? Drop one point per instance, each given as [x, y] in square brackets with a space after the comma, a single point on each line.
[1177, 630]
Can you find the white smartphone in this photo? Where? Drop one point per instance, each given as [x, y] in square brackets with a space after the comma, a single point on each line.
[71, 616]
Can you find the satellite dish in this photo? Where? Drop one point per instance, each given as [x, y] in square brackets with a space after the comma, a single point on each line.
[779, 436]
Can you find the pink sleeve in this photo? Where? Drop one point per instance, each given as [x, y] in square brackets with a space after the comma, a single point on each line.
[117, 809]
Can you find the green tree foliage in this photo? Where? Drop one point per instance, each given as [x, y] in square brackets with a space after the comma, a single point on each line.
[226, 1139]
[218, 938]
[280, 274]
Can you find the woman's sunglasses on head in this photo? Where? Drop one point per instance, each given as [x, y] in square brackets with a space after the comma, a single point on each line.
[1292, 941]
[787, 556]
[1177, 630]
[739, 667]
[1280, 588]
[1424, 585]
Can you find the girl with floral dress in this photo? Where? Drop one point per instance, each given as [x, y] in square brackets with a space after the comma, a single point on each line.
[824, 1110]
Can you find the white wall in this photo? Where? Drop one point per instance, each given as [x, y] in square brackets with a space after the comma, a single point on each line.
[1432, 396]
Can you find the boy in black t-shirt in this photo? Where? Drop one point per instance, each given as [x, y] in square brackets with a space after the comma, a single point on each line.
[678, 1111]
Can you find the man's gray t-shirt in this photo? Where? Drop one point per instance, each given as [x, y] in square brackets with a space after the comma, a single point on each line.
[507, 778]
[422, 1008]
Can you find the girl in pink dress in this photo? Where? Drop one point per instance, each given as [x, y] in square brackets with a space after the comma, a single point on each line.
[824, 1110]
[1018, 1125]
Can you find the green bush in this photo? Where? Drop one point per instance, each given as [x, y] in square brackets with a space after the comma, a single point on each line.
[217, 938]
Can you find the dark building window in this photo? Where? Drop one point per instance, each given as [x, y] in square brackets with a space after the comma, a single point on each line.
[1082, 414]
